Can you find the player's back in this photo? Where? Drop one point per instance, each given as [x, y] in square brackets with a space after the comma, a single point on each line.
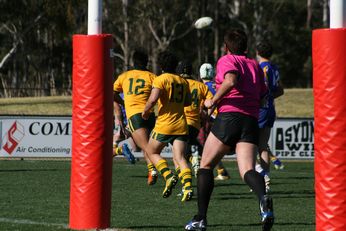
[271, 74]
[171, 118]
[245, 95]
[136, 86]
[199, 92]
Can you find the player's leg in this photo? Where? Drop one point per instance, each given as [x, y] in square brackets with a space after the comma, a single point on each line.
[153, 150]
[264, 159]
[140, 133]
[178, 173]
[264, 134]
[266, 121]
[118, 136]
[123, 149]
[246, 158]
[126, 151]
[278, 165]
[179, 149]
[222, 173]
[141, 138]
[194, 149]
[213, 152]
[247, 150]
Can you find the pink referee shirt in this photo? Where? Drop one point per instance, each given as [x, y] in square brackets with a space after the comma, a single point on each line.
[245, 96]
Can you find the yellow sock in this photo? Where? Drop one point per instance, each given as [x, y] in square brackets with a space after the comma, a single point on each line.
[186, 178]
[220, 171]
[150, 167]
[177, 170]
[190, 159]
[117, 150]
[163, 168]
[273, 158]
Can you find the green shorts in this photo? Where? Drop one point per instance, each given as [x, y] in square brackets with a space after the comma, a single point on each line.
[136, 122]
[168, 138]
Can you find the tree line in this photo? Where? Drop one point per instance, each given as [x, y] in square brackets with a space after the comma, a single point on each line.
[36, 36]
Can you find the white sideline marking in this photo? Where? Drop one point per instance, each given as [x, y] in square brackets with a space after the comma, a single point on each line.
[65, 226]
[29, 222]
[112, 229]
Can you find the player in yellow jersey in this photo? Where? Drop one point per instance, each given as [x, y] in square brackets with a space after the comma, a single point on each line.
[136, 85]
[199, 93]
[172, 94]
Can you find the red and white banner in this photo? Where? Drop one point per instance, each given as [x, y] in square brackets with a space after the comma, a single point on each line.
[25, 136]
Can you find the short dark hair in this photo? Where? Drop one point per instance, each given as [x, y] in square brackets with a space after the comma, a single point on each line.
[264, 49]
[236, 41]
[184, 68]
[140, 58]
[167, 61]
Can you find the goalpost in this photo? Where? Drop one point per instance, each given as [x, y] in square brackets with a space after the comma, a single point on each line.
[92, 125]
[92, 117]
[329, 78]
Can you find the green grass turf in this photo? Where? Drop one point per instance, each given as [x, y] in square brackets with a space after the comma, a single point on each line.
[34, 195]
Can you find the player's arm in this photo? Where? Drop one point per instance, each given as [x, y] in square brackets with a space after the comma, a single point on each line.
[118, 99]
[279, 91]
[118, 114]
[229, 82]
[208, 95]
[153, 98]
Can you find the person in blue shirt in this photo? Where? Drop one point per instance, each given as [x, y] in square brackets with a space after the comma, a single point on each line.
[267, 114]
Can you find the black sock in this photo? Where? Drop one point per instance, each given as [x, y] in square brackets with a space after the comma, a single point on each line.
[205, 186]
[255, 182]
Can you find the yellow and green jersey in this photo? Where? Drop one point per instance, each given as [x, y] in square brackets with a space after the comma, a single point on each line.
[173, 92]
[136, 86]
[199, 92]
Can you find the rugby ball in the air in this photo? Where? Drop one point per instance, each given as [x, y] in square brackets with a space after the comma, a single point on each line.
[203, 22]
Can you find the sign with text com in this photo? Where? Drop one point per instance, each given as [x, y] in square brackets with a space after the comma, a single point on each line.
[23, 136]
[26, 136]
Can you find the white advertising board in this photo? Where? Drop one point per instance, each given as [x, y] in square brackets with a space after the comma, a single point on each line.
[293, 138]
[25, 136]
[29, 136]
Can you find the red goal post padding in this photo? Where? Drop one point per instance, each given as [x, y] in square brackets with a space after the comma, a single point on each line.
[329, 77]
[92, 130]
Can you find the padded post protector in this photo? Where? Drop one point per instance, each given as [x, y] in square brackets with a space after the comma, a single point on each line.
[92, 130]
[329, 77]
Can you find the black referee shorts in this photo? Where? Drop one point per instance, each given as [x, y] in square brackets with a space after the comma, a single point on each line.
[233, 127]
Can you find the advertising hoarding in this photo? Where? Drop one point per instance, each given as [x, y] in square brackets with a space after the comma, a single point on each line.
[51, 136]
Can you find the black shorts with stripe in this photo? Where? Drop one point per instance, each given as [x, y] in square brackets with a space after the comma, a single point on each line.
[136, 121]
[232, 127]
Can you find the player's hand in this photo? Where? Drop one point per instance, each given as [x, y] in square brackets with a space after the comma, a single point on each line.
[145, 115]
[208, 103]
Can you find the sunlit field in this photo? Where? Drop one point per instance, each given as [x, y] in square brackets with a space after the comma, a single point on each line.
[35, 196]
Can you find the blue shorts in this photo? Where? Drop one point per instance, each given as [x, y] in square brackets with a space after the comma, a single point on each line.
[266, 117]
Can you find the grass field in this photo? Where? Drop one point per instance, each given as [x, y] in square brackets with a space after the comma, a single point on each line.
[294, 103]
[34, 195]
